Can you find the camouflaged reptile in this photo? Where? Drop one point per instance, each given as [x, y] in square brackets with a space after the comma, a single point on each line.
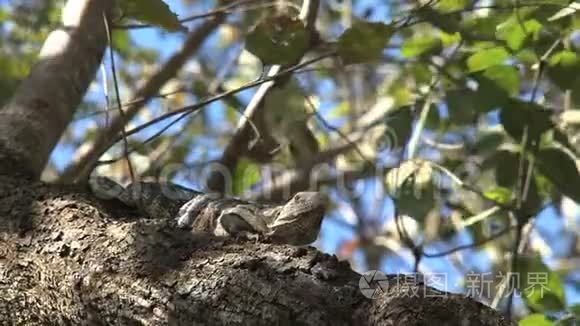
[295, 222]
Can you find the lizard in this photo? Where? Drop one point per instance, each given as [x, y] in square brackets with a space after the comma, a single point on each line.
[296, 222]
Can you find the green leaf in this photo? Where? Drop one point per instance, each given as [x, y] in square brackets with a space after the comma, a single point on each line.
[533, 202]
[515, 32]
[565, 58]
[499, 194]
[506, 78]
[4, 15]
[575, 309]
[122, 43]
[462, 106]
[518, 114]
[287, 109]
[154, 12]
[447, 22]
[400, 93]
[420, 45]
[541, 288]
[246, 175]
[564, 69]
[486, 58]
[399, 125]
[493, 87]
[527, 56]
[364, 42]
[422, 73]
[489, 141]
[482, 25]
[560, 168]
[280, 40]
[433, 120]
[506, 168]
[411, 186]
[452, 5]
[505, 164]
[561, 138]
[535, 320]
[450, 39]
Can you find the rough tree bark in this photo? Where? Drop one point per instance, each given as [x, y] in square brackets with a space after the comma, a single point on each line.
[78, 260]
[68, 258]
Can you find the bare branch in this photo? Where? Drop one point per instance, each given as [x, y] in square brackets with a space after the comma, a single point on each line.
[239, 143]
[81, 168]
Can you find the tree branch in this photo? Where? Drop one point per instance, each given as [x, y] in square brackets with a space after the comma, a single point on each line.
[44, 104]
[82, 167]
[81, 263]
[238, 145]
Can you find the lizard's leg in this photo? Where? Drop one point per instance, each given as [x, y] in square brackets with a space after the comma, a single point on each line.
[241, 220]
[233, 225]
[190, 210]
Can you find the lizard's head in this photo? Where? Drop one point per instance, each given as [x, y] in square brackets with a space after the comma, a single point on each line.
[298, 222]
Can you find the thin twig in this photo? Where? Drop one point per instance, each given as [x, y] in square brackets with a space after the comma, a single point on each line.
[118, 99]
[469, 246]
[85, 162]
[330, 127]
[525, 177]
[192, 108]
[239, 143]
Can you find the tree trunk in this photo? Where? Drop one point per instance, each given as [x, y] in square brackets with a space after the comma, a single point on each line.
[68, 258]
[44, 104]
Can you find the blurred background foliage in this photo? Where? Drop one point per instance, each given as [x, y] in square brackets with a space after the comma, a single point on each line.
[446, 132]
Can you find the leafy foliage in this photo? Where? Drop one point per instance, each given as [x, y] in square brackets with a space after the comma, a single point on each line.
[487, 58]
[280, 40]
[364, 42]
[411, 185]
[536, 320]
[421, 45]
[155, 12]
[560, 168]
[542, 289]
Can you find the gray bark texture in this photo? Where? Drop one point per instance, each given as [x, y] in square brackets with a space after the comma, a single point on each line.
[69, 258]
